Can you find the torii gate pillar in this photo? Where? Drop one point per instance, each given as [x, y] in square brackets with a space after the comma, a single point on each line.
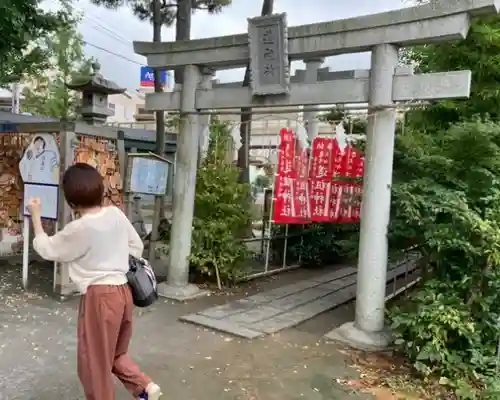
[367, 331]
[177, 286]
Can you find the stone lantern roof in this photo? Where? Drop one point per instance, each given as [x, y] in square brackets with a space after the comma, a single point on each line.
[95, 83]
[95, 90]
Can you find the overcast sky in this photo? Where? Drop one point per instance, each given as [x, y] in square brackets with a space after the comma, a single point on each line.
[114, 31]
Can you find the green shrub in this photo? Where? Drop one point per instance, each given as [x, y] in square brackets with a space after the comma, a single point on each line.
[321, 243]
[448, 202]
[221, 212]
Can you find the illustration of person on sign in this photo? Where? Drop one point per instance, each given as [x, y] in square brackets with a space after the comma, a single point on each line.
[41, 161]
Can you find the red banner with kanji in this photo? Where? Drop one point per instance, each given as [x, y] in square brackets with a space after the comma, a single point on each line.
[346, 207]
[320, 177]
[335, 190]
[291, 198]
[301, 189]
[321, 184]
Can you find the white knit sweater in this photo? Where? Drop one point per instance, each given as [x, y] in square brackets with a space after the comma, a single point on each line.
[95, 247]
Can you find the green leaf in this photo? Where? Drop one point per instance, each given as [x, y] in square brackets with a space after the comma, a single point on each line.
[24, 26]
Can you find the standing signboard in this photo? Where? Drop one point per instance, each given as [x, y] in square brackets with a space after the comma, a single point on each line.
[148, 174]
[40, 169]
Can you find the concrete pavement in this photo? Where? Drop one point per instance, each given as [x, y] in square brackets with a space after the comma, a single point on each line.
[37, 350]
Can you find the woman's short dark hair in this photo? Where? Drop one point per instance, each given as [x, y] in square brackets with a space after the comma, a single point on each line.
[83, 186]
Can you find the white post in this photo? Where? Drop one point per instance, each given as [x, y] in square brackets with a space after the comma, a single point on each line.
[367, 332]
[311, 76]
[177, 286]
[16, 94]
[56, 264]
[26, 251]
[204, 137]
[64, 287]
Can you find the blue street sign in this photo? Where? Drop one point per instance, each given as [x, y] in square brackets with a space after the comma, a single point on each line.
[147, 77]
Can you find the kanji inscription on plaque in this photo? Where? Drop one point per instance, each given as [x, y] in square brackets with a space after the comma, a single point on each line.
[269, 55]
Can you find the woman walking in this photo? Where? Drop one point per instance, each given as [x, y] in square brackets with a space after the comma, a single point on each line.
[96, 248]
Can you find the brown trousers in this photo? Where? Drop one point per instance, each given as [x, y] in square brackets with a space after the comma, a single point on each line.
[104, 333]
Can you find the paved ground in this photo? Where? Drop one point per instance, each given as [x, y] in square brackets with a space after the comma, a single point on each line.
[37, 350]
[288, 305]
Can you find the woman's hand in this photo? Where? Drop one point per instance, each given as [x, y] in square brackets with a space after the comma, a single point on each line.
[34, 207]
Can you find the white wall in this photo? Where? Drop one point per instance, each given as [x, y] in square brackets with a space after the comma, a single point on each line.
[125, 106]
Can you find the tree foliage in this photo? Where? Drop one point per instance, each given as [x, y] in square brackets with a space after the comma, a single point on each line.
[448, 203]
[143, 9]
[46, 94]
[23, 27]
[478, 53]
[220, 213]
[446, 199]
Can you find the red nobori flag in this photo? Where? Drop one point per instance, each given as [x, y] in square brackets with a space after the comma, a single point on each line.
[345, 201]
[335, 195]
[283, 204]
[345, 204]
[319, 192]
[286, 156]
[301, 189]
[352, 163]
[323, 154]
[291, 200]
[322, 158]
[351, 208]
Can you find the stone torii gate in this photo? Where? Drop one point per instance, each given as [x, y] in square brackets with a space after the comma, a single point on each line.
[269, 47]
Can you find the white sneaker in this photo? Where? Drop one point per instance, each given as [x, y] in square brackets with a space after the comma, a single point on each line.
[152, 392]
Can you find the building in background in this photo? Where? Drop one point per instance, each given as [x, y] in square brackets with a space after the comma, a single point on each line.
[6, 100]
[124, 106]
[129, 108]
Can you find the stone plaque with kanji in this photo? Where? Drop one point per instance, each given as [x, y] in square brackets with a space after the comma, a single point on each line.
[268, 41]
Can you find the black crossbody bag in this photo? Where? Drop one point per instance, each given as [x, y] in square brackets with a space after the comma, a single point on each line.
[142, 281]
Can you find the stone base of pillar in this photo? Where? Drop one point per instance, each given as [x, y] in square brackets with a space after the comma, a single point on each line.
[181, 293]
[354, 337]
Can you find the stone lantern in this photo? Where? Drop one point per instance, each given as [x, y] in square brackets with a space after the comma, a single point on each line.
[95, 90]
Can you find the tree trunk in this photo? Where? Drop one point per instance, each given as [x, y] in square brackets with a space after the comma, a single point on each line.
[246, 128]
[182, 29]
[246, 116]
[158, 87]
